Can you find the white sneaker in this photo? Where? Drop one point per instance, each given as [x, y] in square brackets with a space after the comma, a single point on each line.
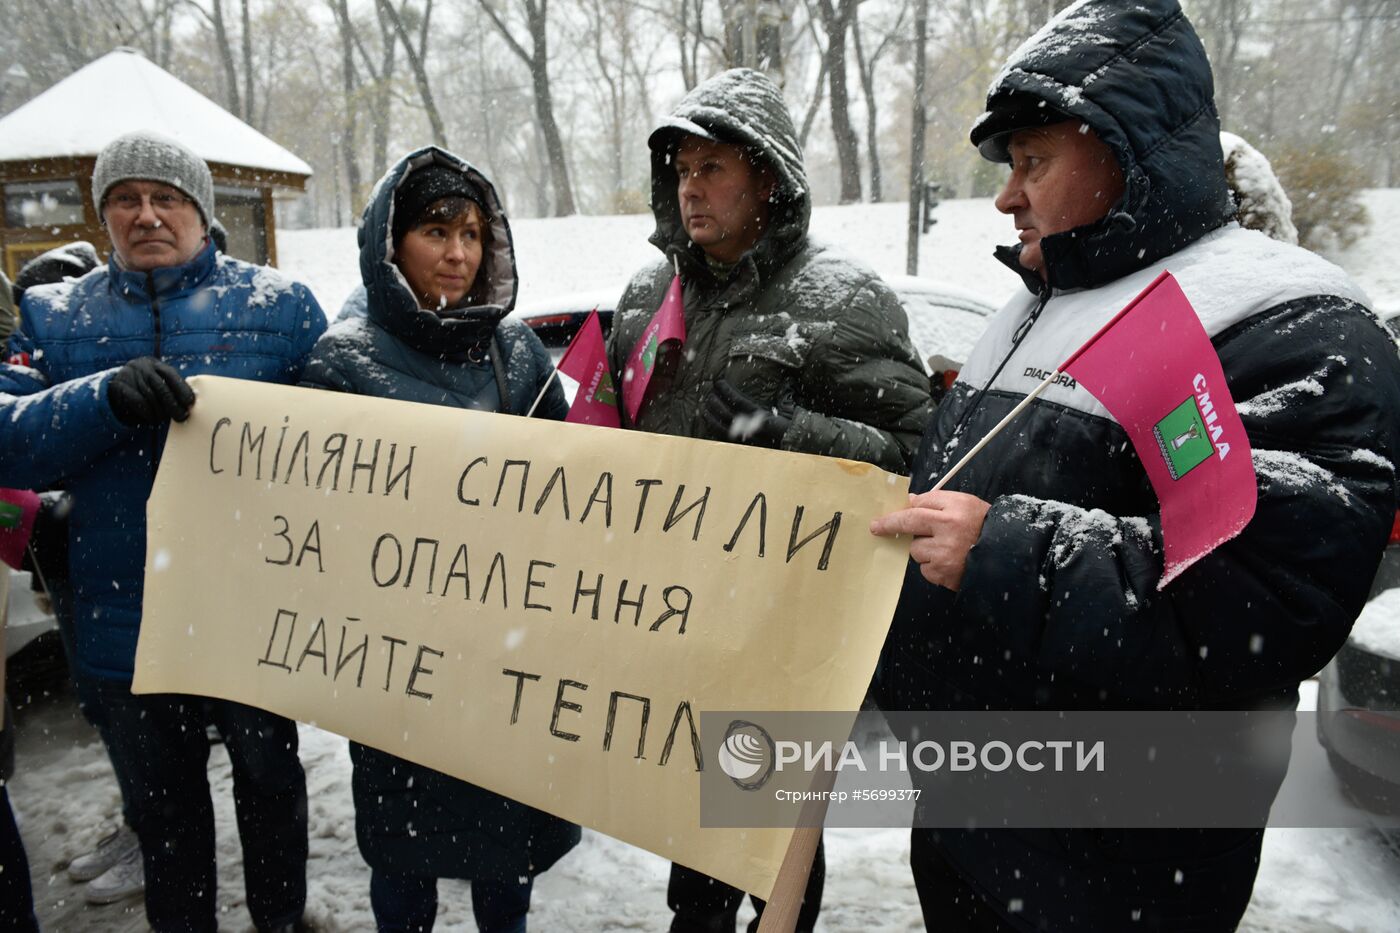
[108, 852]
[119, 882]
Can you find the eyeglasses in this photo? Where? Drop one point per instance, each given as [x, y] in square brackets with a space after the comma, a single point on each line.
[162, 202]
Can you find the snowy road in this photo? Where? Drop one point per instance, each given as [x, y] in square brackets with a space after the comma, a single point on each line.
[1311, 881]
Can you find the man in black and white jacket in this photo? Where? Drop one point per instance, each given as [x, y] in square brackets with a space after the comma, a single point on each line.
[1032, 580]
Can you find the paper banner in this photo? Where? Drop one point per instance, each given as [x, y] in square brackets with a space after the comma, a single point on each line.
[540, 608]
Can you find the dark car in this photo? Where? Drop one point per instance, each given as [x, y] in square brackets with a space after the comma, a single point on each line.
[1358, 696]
[944, 320]
[556, 320]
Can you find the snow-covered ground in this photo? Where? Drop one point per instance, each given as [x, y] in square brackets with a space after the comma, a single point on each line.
[1310, 881]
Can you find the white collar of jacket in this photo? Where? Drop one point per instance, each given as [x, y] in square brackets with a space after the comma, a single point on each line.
[1229, 275]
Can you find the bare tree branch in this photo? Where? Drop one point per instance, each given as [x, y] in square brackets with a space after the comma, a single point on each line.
[420, 74]
[504, 30]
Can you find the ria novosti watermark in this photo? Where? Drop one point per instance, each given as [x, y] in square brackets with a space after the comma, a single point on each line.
[1036, 769]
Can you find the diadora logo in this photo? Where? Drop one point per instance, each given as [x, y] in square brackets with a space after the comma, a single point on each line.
[747, 754]
[1040, 375]
[1191, 432]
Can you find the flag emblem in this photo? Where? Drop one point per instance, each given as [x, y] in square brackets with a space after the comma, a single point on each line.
[1182, 438]
[605, 393]
[11, 516]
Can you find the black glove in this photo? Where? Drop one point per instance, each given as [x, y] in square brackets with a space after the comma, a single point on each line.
[149, 392]
[736, 417]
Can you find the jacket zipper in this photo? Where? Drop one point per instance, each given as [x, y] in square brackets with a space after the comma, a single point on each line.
[155, 319]
[155, 308]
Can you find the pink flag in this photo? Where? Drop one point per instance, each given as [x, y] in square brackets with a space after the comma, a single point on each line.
[586, 361]
[1154, 368]
[667, 324]
[18, 507]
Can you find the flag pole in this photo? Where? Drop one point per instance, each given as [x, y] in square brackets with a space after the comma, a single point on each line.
[553, 377]
[996, 430]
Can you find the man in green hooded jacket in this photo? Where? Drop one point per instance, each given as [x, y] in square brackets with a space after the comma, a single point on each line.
[789, 344]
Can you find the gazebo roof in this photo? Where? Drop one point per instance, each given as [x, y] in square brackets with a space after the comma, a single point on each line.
[122, 92]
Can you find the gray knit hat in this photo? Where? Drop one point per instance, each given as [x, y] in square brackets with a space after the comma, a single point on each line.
[153, 157]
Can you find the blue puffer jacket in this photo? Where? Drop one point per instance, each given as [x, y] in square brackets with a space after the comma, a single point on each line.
[410, 819]
[212, 315]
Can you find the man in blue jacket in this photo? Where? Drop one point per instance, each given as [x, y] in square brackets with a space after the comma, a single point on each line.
[95, 374]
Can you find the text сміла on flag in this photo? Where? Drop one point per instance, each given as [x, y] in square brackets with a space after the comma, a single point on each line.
[1154, 368]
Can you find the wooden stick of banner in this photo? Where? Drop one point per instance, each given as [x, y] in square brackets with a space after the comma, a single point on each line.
[785, 903]
[996, 430]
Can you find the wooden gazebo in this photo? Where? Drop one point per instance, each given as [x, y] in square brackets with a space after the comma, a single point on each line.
[48, 147]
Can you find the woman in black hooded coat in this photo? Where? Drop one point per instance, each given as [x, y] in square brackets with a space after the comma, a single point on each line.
[438, 266]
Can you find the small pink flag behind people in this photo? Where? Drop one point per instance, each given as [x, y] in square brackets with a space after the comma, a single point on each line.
[667, 324]
[18, 507]
[1154, 368]
[586, 362]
